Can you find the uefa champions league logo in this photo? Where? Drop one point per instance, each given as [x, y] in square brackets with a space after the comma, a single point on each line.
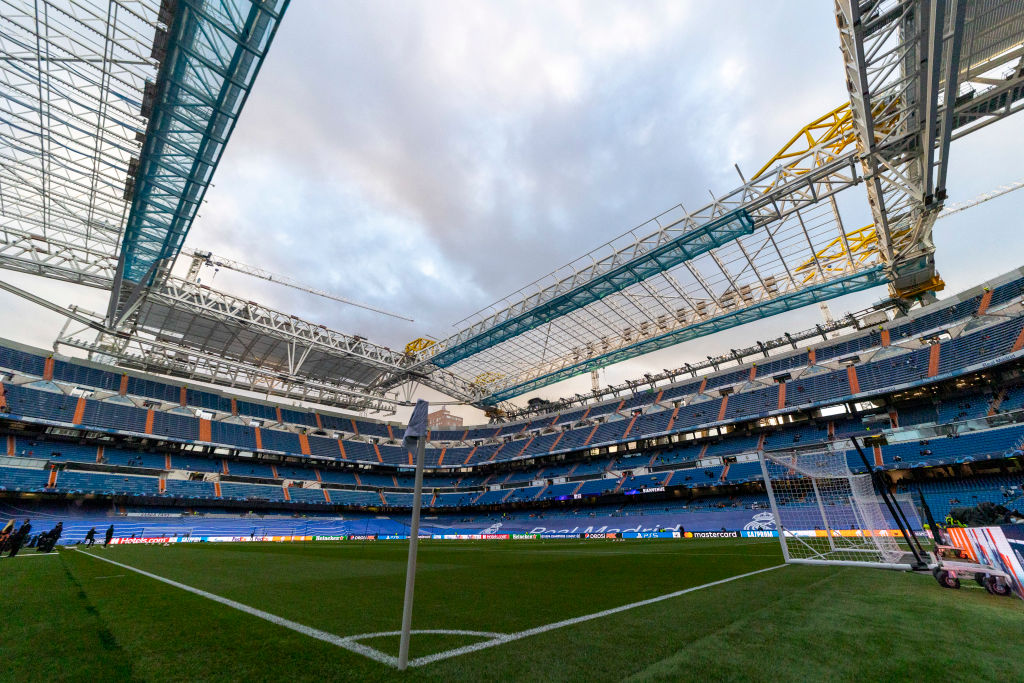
[762, 521]
[493, 529]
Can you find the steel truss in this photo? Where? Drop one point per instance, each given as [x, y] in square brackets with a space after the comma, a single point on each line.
[257, 334]
[258, 342]
[113, 117]
[72, 74]
[795, 245]
[198, 318]
[540, 376]
[768, 200]
[273, 354]
[912, 66]
[618, 272]
[154, 356]
[163, 352]
[740, 356]
[211, 55]
[792, 219]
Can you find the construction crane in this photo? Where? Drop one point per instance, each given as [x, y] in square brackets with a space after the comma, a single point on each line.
[981, 198]
[205, 258]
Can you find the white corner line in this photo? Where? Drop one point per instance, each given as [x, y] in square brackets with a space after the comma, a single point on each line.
[350, 642]
[345, 643]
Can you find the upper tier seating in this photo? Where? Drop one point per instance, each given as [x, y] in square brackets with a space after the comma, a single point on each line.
[518, 485]
[338, 477]
[238, 491]
[252, 469]
[58, 452]
[297, 494]
[115, 456]
[195, 463]
[452, 499]
[743, 471]
[189, 488]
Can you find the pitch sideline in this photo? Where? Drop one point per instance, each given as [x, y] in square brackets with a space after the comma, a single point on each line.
[351, 643]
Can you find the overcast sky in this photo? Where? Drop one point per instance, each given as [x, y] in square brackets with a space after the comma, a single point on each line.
[431, 157]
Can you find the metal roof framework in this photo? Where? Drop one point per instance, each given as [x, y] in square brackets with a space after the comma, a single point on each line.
[799, 244]
[72, 76]
[192, 331]
[194, 316]
[800, 250]
[113, 116]
[153, 355]
[213, 54]
[540, 376]
[916, 70]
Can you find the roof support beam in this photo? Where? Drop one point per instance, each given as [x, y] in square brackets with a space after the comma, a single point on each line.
[623, 272]
[155, 356]
[862, 280]
[214, 53]
[901, 58]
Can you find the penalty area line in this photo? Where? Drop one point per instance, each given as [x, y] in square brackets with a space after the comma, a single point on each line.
[345, 643]
[502, 639]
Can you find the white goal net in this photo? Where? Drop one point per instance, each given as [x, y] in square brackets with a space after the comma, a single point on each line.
[825, 514]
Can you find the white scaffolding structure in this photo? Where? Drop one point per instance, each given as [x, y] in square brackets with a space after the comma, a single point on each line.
[920, 74]
[72, 79]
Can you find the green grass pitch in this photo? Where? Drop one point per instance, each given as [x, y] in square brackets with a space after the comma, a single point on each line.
[75, 617]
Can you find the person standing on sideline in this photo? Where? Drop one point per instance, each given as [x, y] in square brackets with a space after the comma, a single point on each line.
[50, 540]
[90, 538]
[18, 538]
[5, 535]
[110, 535]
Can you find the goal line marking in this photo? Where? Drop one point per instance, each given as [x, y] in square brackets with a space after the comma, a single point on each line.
[351, 643]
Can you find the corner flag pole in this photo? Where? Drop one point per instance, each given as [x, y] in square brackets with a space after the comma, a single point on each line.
[416, 429]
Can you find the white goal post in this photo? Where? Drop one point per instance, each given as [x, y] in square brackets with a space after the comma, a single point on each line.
[825, 514]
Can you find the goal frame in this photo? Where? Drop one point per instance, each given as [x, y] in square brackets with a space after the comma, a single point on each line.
[811, 555]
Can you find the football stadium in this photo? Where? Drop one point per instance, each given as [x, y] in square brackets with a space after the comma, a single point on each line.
[324, 384]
